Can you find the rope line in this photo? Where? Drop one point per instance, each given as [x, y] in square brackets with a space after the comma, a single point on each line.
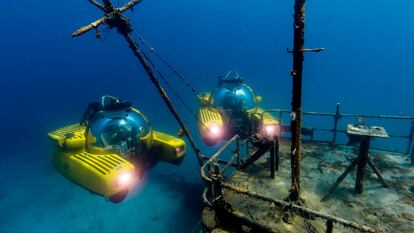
[188, 108]
[185, 81]
[163, 60]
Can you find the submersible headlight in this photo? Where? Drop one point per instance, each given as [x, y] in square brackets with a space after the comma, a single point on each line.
[215, 130]
[179, 150]
[271, 130]
[124, 179]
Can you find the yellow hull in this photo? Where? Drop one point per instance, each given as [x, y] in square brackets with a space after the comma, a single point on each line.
[99, 171]
[210, 117]
[261, 117]
[168, 148]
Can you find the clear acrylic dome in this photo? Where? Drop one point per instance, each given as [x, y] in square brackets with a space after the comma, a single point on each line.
[233, 96]
[119, 131]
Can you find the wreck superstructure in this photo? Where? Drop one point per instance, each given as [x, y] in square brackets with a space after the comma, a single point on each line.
[251, 199]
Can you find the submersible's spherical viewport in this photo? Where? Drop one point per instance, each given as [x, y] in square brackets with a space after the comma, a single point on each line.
[119, 130]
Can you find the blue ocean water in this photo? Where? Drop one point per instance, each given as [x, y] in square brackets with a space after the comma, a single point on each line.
[47, 79]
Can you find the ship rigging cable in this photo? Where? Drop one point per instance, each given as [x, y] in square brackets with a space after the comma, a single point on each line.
[188, 108]
[182, 78]
[114, 18]
[163, 60]
[172, 89]
[162, 76]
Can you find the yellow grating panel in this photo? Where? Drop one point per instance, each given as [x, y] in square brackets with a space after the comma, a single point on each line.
[102, 163]
[76, 129]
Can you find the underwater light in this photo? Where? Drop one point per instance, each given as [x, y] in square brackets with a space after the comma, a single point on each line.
[215, 130]
[124, 179]
[271, 130]
[180, 149]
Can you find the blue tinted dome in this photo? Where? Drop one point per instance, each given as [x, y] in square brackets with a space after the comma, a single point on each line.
[233, 94]
[119, 131]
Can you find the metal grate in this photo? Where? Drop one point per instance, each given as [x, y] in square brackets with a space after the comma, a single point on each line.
[102, 163]
[207, 115]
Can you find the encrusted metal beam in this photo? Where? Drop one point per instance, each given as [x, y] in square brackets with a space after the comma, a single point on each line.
[296, 115]
[105, 18]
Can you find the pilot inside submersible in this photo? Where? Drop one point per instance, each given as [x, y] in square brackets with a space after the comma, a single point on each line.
[119, 129]
[233, 108]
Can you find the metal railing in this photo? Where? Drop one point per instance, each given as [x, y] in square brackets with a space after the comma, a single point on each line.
[212, 174]
[337, 116]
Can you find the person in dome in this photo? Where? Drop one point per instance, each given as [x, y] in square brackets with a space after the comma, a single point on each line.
[232, 108]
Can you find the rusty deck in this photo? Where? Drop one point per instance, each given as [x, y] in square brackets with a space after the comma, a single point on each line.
[386, 209]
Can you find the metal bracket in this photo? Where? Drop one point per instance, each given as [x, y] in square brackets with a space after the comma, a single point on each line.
[315, 50]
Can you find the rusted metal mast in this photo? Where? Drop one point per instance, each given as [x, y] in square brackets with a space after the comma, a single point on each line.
[115, 19]
[296, 115]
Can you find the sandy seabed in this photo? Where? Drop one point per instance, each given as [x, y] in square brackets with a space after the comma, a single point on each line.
[34, 197]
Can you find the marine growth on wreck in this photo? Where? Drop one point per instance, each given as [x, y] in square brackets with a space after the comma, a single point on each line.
[168, 145]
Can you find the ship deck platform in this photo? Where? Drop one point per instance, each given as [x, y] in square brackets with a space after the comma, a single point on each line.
[387, 209]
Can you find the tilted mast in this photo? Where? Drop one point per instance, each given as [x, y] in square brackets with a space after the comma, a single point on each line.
[115, 18]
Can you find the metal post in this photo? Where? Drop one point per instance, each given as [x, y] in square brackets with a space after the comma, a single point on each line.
[216, 188]
[272, 160]
[296, 115]
[340, 179]
[336, 119]
[276, 149]
[280, 123]
[329, 226]
[362, 163]
[238, 151]
[247, 147]
[410, 138]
